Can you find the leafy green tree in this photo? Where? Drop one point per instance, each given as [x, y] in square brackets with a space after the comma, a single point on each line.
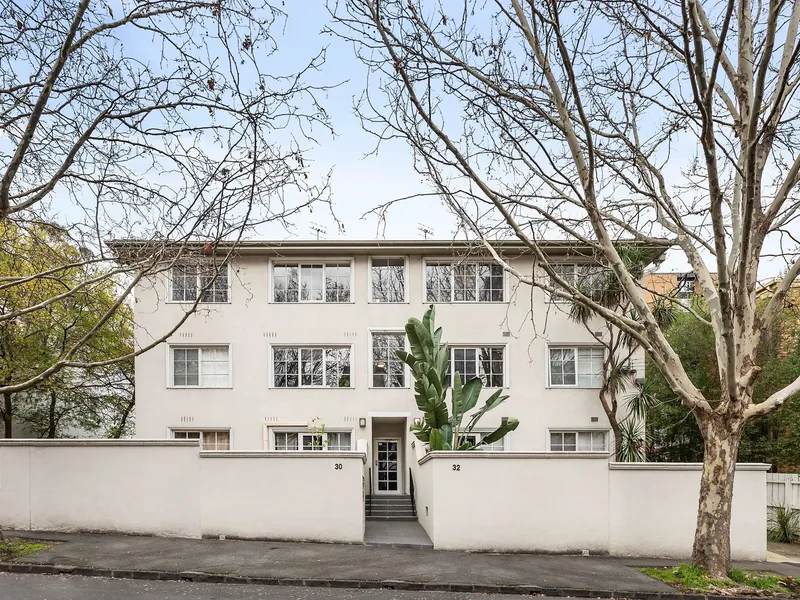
[443, 428]
[46, 327]
[672, 428]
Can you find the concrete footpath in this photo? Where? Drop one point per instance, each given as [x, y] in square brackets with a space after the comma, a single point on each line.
[346, 566]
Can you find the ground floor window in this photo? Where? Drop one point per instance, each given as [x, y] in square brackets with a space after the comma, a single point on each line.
[210, 439]
[578, 441]
[475, 438]
[308, 440]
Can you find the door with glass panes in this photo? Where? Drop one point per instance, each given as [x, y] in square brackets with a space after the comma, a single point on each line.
[387, 466]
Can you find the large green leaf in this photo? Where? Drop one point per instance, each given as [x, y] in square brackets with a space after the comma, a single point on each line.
[505, 428]
[457, 395]
[436, 442]
[471, 392]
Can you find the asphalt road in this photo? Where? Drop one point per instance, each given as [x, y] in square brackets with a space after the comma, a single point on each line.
[71, 587]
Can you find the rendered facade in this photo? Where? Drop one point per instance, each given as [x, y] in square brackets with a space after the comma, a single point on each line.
[292, 349]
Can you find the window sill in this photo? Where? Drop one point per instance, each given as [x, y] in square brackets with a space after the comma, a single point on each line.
[320, 388]
[468, 302]
[198, 387]
[312, 303]
[404, 302]
[192, 302]
[570, 387]
[372, 387]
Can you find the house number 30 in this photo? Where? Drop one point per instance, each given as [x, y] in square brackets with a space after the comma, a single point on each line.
[337, 466]
[456, 467]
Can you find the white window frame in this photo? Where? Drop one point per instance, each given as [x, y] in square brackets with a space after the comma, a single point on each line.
[477, 347]
[299, 261]
[299, 347]
[305, 431]
[574, 265]
[201, 431]
[577, 431]
[481, 433]
[406, 372]
[406, 272]
[453, 263]
[575, 348]
[199, 287]
[199, 345]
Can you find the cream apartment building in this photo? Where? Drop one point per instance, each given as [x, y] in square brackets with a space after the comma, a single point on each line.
[293, 350]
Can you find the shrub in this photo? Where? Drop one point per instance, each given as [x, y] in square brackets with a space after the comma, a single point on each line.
[784, 525]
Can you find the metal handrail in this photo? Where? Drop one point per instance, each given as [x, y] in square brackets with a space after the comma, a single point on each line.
[411, 489]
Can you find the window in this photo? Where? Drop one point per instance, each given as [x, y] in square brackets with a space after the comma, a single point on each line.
[338, 441]
[685, 288]
[189, 280]
[211, 440]
[387, 369]
[590, 278]
[463, 282]
[200, 366]
[311, 282]
[578, 441]
[484, 362]
[497, 446]
[311, 367]
[586, 371]
[388, 280]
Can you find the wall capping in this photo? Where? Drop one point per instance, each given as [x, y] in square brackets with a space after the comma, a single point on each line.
[67, 442]
[281, 454]
[645, 466]
[482, 454]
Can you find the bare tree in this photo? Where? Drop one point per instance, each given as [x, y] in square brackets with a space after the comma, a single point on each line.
[176, 122]
[612, 120]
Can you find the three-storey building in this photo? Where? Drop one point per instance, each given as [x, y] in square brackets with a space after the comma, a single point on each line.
[292, 348]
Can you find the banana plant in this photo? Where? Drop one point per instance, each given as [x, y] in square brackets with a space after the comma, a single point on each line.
[442, 428]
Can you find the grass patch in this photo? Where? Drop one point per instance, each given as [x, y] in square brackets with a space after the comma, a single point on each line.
[690, 578]
[14, 548]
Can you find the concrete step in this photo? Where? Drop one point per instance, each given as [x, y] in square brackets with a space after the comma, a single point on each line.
[391, 513]
[383, 518]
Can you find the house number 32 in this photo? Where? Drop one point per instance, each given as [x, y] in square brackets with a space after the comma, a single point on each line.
[456, 467]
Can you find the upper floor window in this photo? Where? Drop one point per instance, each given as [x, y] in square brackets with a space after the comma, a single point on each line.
[311, 367]
[210, 439]
[484, 362]
[685, 287]
[208, 280]
[388, 280]
[200, 366]
[578, 441]
[332, 441]
[387, 369]
[448, 281]
[311, 282]
[580, 366]
[589, 278]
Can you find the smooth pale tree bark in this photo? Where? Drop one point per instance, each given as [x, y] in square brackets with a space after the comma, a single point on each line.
[613, 123]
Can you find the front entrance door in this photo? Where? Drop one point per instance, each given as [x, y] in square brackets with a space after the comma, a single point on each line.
[386, 466]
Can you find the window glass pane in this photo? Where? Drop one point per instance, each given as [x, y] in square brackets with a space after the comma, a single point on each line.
[591, 279]
[215, 366]
[556, 441]
[388, 280]
[490, 282]
[590, 367]
[184, 283]
[214, 283]
[464, 283]
[311, 287]
[566, 272]
[286, 440]
[311, 366]
[491, 367]
[339, 441]
[186, 435]
[497, 446]
[584, 441]
[570, 441]
[285, 283]
[285, 367]
[312, 441]
[337, 367]
[185, 366]
[337, 282]
[562, 366]
[387, 369]
[599, 441]
[465, 363]
[437, 282]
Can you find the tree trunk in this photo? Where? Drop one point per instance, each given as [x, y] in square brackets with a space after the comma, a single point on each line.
[7, 414]
[712, 541]
[617, 430]
[51, 416]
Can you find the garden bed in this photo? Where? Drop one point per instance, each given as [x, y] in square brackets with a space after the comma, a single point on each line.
[11, 548]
